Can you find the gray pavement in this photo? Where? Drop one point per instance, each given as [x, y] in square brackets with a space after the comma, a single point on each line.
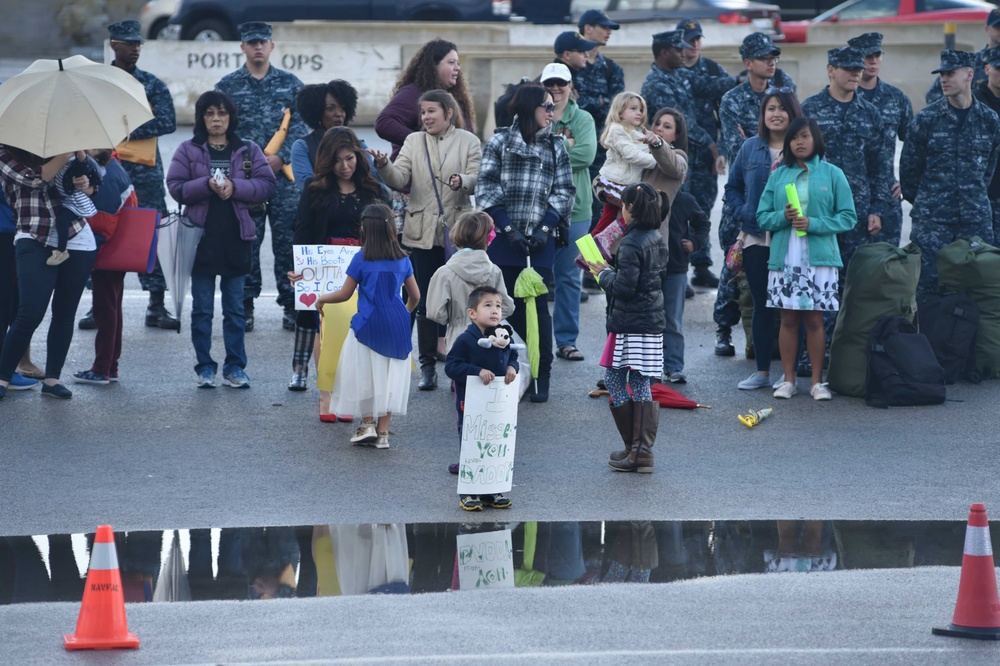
[154, 452]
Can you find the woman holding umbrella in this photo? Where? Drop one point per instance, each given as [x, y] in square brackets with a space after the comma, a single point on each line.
[216, 176]
[526, 185]
[27, 184]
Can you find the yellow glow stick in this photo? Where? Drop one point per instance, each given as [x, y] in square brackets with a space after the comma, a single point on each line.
[793, 198]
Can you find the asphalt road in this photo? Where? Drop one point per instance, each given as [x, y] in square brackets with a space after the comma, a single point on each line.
[154, 452]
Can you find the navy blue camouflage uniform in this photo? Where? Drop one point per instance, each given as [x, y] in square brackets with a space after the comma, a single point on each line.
[985, 95]
[261, 104]
[945, 170]
[148, 180]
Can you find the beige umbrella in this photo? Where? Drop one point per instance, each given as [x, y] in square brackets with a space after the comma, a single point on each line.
[60, 106]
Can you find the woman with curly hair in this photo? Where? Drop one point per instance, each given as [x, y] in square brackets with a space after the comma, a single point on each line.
[330, 214]
[434, 67]
[322, 106]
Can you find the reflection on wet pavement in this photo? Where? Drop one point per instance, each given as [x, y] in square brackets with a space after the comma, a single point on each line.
[332, 560]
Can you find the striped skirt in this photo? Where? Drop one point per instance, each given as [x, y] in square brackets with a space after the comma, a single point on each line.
[641, 352]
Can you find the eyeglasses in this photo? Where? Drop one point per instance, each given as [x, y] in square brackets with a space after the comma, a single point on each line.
[774, 91]
[555, 83]
[769, 60]
[548, 106]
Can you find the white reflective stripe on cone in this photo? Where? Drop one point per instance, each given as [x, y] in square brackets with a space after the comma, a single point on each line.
[103, 556]
[977, 541]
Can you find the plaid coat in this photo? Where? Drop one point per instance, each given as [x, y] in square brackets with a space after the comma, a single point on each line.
[526, 179]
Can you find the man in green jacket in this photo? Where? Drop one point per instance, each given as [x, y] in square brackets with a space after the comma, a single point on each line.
[577, 129]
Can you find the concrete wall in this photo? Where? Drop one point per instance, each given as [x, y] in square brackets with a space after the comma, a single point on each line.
[372, 56]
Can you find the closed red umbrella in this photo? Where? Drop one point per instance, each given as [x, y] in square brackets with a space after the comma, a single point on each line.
[666, 396]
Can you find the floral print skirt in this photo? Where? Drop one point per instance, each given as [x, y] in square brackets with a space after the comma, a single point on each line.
[803, 288]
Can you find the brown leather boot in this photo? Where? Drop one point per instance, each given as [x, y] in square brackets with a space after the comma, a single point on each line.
[623, 421]
[645, 422]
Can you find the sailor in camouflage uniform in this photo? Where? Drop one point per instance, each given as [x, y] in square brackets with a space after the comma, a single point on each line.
[897, 112]
[262, 94]
[947, 163]
[126, 41]
[993, 41]
[703, 169]
[739, 113]
[988, 92]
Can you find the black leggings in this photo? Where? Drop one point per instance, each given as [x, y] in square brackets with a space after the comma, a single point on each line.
[755, 260]
[38, 283]
[519, 323]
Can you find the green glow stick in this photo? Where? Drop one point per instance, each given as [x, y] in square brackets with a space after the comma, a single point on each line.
[588, 248]
[793, 198]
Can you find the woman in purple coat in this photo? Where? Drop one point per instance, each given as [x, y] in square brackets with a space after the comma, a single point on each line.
[216, 176]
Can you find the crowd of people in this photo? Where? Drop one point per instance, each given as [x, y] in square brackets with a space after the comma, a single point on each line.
[449, 219]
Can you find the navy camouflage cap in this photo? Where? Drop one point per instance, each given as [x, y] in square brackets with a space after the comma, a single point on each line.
[674, 38]
[868, 43]
[993, 19]
[596, 17]
[254, 30]
[846, 57]
[572, 41]
[757, 45]
[952, 60]
[691, 28]
[992, 57]
[126, 31]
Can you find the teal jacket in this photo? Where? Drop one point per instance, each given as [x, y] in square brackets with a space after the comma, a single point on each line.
[830, 211]
[581, 156]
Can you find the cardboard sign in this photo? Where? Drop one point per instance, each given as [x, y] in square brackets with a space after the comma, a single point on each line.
[323, 269]
[486, 462]
[485, 560]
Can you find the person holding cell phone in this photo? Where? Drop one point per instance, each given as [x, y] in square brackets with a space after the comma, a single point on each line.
[803, 269]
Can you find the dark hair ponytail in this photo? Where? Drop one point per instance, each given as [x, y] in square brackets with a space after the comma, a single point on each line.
[647, 206]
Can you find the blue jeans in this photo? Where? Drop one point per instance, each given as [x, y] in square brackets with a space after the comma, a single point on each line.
[234, 322]
[674, 285]
[566, 310]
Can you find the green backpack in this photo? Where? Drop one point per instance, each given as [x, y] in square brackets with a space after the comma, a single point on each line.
[881, 282]
[973, 266]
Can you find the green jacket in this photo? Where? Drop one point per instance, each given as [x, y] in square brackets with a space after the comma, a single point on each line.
[830, 211]
[581, 156]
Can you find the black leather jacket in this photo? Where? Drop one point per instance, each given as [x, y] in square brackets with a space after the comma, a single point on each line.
[635, 288]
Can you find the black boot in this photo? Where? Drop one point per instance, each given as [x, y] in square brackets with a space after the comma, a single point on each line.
[428, 378]
[88, 323]
[157, 315]
[688, 291]
[288, 318]
[623, 421]
[704, 277]
[248, 313]
[724, 342]
[539, 390]
[645, 422]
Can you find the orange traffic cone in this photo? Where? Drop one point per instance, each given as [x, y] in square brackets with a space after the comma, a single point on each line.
[102, 624]
[977, 611]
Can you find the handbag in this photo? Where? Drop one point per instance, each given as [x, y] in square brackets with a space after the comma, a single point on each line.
[138, 151]
[132, 248]
[734, 257]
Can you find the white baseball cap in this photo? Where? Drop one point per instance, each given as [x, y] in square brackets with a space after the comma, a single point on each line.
[556, 70]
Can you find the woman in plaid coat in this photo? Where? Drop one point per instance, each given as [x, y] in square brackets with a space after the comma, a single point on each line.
[526, 185]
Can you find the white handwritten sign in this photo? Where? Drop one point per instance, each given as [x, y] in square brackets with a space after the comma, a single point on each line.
[323, 269]
[486, 462]
[485, 560]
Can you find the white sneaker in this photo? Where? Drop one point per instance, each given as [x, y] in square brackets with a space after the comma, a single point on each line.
[755, 381]
[820, 392]
[781, 380]
[785, 390]
[382, 441]
[366, 433]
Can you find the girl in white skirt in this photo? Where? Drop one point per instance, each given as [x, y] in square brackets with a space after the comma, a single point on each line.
[373, 373]
[635, 323]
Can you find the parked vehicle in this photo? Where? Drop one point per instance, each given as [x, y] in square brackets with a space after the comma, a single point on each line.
[154, 16]
[765, 18]
[892, 11]
[216, 20]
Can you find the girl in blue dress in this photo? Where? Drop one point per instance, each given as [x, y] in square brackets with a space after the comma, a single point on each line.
[373, 373]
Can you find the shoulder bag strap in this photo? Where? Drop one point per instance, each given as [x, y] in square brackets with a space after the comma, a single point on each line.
[427, 152]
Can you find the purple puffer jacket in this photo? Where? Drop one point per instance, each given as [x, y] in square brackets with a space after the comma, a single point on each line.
[188, 177]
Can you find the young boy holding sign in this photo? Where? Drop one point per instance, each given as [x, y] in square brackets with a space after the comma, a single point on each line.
[468, 358]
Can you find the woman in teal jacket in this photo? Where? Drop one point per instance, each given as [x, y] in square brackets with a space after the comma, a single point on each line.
[802, 279]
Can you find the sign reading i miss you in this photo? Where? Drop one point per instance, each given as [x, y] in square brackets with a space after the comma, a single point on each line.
[323, 269]
[486, 462]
